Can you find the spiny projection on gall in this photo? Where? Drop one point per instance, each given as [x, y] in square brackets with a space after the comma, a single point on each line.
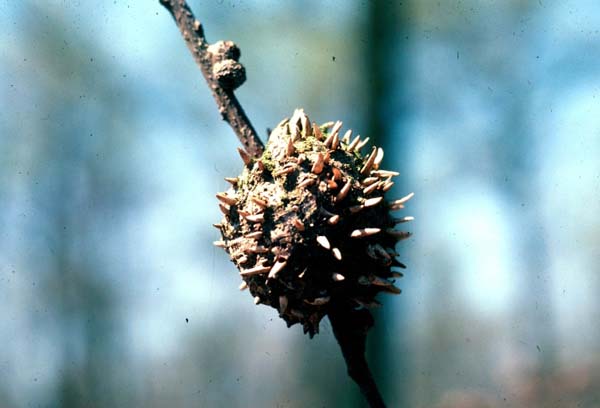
[307, 223]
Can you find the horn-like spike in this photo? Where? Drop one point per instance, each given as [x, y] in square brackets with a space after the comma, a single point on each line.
[317, 131]
[329, 139]
[245, 156]
[356, 208]
[289, 151]
[337, 277]
[260, 202]
[337, 174]
[364, 232]
[354, 143]
[317, 167]
[255, 218]
[384, 173]
[396, 274]
[277, 267]
[334, 219]
[347, 136]
[257, 270]
[387, 185]
[369, 180]
[336, 127]
[376, 280]
[243, 286]
[278, 236]
[403, 219]
[399, 203]
[335, 143]
[220, 244]
[285, 170]
[369, 163]
[256, 300]
[385, 284]
[373, 201]
[225, 199]
[306, 183]
[362, 144]
[398, 264]
[344, 191]
[236, 241]
[296, 116]
[295, 121]
[406, 198]
[295, 132]
[378, 158]
[232, 180]
[254, 235]
[337, 254]
[323, 241]
[370, 189]
[306, 128]
[224, 208]
[376, 251]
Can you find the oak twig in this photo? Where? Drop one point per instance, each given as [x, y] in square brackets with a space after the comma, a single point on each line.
[222, 72]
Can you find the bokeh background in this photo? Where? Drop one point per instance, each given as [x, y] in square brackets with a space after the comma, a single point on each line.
[111, 151]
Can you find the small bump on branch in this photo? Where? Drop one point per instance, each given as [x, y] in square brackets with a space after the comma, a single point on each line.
[221, 69]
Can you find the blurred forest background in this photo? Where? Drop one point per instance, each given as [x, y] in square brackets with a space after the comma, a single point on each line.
[111, 151]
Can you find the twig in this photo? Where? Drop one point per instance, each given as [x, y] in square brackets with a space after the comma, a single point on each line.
[350, 329]
[221, 70]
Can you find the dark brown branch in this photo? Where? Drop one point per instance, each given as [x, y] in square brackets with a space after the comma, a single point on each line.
[221, 70]
[350, 329]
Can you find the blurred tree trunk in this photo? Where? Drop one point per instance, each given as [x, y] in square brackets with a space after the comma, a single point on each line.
[71, 190]
[533, 317]
[385, 55]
